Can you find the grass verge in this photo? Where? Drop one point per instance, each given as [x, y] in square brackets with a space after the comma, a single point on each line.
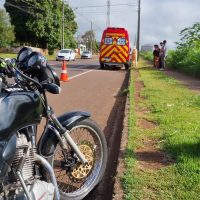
[8, 55]
[13, 55]
[176, 111]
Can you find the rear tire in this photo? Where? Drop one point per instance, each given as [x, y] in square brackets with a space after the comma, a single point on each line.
[127, 66]
[102, 66]
[77, 183]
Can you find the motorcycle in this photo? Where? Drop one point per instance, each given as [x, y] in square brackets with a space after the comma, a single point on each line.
[70, 158]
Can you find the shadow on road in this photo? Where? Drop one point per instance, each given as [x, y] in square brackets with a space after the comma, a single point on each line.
[89, 67]
[113, 132]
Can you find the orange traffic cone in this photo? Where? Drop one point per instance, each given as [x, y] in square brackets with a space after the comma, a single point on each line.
[64, 75]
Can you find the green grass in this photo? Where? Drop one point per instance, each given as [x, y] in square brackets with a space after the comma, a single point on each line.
[51, 57]
[8, 55]
[176, 110]
[147, 55]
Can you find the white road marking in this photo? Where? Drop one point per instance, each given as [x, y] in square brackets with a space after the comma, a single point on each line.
[80, 74]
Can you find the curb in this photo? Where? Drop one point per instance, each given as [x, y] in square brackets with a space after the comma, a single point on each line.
[118, 192]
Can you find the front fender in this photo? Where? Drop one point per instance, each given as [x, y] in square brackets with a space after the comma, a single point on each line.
[49, 140]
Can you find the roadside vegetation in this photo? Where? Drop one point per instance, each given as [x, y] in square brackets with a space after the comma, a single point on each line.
[7, 36]
[8, 55]
[147, 55]
[175, 113]
[186, 57]
[31, 23]
[13, 55]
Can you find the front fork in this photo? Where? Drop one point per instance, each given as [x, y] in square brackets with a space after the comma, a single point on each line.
[63, 131]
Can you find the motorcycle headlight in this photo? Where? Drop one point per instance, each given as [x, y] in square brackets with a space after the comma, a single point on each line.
[23, 54]
[36, 66]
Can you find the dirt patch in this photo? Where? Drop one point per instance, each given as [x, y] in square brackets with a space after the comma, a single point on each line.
[139, 85]
[141, 112]
[151, 158]
[145, 124]
[190, 82]
[118, 193]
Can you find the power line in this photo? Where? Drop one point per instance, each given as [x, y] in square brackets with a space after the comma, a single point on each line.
[97, 6]
[90, 12]
[31, 13]
[88, 20]
[19, 8]
[32, 5]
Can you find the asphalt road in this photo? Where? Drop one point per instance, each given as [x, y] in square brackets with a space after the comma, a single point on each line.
[89, 89]
[100, 93]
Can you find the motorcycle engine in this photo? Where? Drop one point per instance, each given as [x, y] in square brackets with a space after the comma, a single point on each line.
[42, 190]
[11, 187]
[39, 190]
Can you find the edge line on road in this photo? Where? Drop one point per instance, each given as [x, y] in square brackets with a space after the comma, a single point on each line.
[80, 74]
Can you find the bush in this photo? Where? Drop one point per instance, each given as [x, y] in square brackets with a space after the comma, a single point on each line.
[186, 59]
[187, 56]
[147, 55]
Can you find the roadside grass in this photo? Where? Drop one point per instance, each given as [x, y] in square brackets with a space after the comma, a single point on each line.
[13, 55]
[51, 57]
[176, 111]
[8, 55]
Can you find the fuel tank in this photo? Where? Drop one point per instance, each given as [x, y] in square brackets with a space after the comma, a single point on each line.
[18, 109]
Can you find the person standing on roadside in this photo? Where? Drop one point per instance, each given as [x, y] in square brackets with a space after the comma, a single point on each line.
[164, 52]
[156, 53]
[161, 56]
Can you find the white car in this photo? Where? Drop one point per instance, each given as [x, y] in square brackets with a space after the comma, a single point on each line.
[66, 54]
[86, 54]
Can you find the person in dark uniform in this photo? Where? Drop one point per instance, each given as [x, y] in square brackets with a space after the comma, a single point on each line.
[156, 54]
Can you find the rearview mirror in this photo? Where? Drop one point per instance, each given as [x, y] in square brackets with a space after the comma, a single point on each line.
[52, 88]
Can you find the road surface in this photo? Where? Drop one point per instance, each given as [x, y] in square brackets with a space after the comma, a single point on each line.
[99, 92]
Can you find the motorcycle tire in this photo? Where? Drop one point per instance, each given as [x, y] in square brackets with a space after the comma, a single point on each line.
[77, 183]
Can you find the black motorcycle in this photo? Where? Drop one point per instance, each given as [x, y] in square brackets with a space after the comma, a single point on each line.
[73, 144]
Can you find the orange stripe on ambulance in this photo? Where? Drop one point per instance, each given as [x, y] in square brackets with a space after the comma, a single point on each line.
[115, 47]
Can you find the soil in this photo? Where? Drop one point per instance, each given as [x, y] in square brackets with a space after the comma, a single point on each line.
[145, 124]
[118, 192]
[186, 80]
[151, 158]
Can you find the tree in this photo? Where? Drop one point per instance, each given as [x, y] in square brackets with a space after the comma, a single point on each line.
[7, 33]
[38, 23]
[89, 39]
[190, 36]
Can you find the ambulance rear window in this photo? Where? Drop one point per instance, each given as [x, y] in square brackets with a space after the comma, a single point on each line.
[108, 41]
[121, 41]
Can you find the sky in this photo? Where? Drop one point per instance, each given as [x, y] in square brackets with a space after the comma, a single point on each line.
[160, 19]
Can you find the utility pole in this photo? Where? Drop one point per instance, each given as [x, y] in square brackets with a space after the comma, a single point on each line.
[91, 37]
[138, 28]
[63, 26]
[135, 41]
[108, 14]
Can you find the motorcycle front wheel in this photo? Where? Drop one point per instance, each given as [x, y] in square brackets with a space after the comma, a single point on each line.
[74, 179]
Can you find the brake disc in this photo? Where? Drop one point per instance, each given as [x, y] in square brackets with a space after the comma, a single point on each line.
[80, 171]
